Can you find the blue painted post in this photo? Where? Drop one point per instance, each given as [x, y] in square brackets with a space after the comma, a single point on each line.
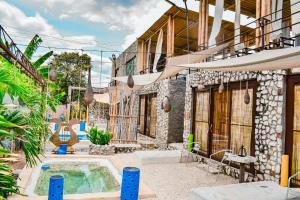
[82, 126]
[56, 188]
[130, 183]
[55, 127]
[62, 149]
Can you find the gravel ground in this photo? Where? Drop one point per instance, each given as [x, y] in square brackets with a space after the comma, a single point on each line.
[174, 181]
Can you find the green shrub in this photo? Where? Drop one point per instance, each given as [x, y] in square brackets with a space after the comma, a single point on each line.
[99, 137]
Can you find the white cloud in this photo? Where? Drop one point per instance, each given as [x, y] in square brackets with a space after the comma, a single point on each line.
[64, 16]
[22, 28]
[134, 19]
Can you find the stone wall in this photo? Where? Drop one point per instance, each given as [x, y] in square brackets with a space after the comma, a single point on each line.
[177, 94]
[269, 117]
[169, 126]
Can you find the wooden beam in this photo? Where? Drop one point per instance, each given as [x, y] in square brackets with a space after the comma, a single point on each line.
[203, 24]
[170, 36]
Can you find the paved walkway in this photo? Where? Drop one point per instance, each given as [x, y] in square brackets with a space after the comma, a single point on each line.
[175, 181]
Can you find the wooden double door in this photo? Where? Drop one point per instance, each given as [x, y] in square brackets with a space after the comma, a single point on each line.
[221, 120]
[148, 114]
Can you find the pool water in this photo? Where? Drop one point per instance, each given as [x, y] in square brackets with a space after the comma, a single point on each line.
[79, 178]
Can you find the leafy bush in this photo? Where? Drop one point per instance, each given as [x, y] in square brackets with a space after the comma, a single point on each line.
[99, 137]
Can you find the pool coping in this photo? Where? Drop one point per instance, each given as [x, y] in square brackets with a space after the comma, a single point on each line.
[26, 174]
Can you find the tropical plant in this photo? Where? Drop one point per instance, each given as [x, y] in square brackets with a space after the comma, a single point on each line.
[8, 183]
[99, 137]
[28, 128]
[53, 95]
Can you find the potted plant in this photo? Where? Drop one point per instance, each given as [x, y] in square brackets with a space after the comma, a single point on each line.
[100, 140]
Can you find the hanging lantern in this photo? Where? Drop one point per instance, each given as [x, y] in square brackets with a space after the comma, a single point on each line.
[167, 104]
[52, 74]
[221, 87]
[107, 116]
[247, 96]
[130, 81]
[88, 94]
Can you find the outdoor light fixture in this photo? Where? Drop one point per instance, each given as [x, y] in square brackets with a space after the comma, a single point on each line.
[88, 94]
[167, 104]
[52, 73]
[130, 81]
[247, 96]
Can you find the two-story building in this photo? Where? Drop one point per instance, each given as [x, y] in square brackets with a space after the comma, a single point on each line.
[236, 85]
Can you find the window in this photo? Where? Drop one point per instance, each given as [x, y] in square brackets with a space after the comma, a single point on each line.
[130, 66]
[223, 120]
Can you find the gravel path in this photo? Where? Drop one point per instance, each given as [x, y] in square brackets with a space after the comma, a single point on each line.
[174, 181]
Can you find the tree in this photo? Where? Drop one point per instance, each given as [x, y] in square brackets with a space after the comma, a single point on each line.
[74, 67]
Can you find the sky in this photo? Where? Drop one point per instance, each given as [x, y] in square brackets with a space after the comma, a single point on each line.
[101, 25]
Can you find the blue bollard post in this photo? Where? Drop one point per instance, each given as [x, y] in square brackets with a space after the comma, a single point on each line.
[56, 188]
[62, 149]
[55, 127]
[130, 183]
[82, 126]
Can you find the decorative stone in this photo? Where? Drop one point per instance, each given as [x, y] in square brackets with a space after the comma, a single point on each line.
[101, 149]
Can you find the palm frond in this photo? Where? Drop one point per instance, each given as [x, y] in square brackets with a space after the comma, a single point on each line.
[32, 46]
[42, 59]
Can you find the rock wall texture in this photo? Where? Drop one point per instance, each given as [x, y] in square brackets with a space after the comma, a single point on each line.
[269, 118]
[169, 126]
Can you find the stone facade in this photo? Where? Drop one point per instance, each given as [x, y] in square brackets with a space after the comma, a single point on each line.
[169, 126]
[269, 117]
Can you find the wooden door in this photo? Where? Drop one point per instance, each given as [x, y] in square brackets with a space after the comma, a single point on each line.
[151, 115]
[142, 114]
[220, 124]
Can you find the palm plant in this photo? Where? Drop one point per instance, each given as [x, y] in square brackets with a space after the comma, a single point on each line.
[30, 129]
[51, 100]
